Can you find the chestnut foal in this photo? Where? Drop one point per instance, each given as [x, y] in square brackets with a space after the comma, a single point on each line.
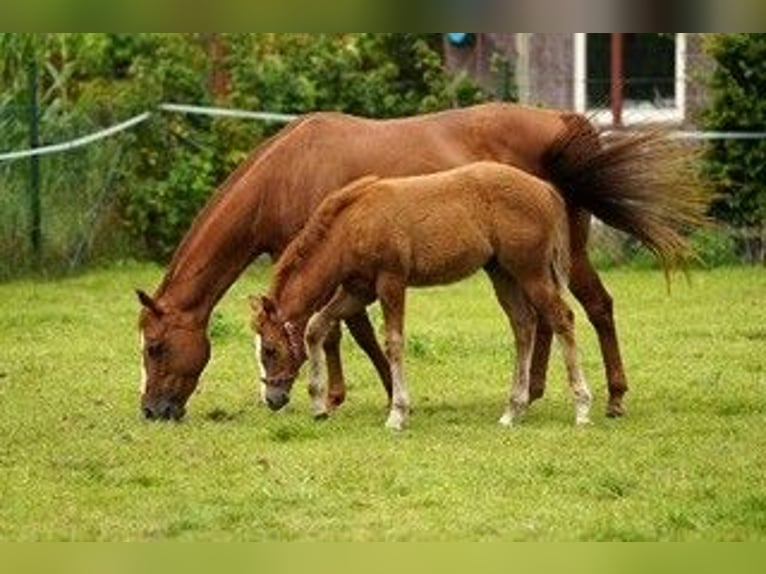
[375, 237]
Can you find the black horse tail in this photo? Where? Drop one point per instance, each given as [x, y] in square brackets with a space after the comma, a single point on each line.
[646, 184]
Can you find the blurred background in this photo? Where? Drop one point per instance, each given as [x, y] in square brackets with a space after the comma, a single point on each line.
[139, 129]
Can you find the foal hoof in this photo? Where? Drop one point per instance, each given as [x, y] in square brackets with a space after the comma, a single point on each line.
[395, 421]
[323, 416]
[506, 420]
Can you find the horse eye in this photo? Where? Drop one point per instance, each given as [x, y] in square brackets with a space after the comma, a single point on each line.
[269, 351]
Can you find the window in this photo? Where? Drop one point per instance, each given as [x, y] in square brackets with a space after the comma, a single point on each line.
[653, 76]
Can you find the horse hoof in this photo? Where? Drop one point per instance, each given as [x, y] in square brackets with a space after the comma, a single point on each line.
[582, 422]
[334, 401]
[323, 416]
[615, 410]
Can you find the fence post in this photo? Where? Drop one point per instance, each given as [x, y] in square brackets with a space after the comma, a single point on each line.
[34, 162]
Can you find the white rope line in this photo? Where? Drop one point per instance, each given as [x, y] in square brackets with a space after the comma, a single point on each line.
[75, 143]
[227, 112]
[168, 107]
[697, 135]
[277, 117]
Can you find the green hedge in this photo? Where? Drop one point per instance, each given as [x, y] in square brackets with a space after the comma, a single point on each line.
[171, 165]
[738, 167]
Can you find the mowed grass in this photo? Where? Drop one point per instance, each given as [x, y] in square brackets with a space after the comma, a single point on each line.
[77, 462]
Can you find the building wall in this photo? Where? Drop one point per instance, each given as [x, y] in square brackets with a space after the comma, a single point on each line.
[698, 67]
[544, 67]
[551, 70]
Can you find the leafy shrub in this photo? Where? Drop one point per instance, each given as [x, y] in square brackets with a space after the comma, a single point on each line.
[171, 164]
[738, 167]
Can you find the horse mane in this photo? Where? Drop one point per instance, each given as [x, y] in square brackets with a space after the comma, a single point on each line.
[221, 192]
[317, 228]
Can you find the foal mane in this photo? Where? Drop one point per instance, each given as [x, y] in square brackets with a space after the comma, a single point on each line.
[317, 228]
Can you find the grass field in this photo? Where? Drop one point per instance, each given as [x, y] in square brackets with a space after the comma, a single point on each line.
[688, 462]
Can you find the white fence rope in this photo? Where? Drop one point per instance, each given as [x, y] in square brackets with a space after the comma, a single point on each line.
[78, 142]
[127, 124]
[275, 117]
[228, 112]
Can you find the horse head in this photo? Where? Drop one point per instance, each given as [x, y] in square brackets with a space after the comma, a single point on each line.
[281, 349]
[175, 350]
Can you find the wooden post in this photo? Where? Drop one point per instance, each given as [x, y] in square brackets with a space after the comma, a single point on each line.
[219, 77]
[617, 79]
[35, 234]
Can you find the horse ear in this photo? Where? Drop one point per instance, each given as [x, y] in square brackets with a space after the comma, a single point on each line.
[255, 304]
[149, 303]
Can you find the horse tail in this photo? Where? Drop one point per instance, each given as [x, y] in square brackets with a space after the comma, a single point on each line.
[646, 184]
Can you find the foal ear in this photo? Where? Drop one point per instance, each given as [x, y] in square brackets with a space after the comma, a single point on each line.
[260, 303]
[149, 303]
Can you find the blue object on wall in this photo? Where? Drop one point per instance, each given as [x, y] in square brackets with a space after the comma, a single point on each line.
[460, 38]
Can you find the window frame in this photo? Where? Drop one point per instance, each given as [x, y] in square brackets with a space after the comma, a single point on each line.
[630, 115]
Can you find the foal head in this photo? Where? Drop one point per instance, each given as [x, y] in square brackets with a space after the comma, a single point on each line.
[174, 351]
[281, 350]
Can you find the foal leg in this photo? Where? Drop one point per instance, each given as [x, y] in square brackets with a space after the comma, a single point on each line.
[390, 290]
[523, 319]
[361, 330]
[588, 289]
[547, 300]
[319, 327]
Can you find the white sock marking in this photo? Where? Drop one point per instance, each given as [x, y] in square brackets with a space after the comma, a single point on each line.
[261, 368]
[142, 384]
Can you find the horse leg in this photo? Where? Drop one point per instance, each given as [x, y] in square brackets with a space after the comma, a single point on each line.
[588, 289]
[336, 388]
[391, 292]
[540, 357]
[319, 327]
[523, 321]
[547, 300]
[361, 330]
[591, 293]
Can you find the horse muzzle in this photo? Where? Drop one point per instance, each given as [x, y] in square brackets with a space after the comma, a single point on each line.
[162, 409]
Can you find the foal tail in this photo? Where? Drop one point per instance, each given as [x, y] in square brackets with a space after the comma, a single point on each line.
[645, 184]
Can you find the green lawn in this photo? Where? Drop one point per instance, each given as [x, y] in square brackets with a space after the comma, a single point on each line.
[688, 462]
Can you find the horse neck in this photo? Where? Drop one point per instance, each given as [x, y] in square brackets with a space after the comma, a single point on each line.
[216, 250]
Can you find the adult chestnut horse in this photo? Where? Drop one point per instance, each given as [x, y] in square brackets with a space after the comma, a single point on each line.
[375, 237]
[268, 199]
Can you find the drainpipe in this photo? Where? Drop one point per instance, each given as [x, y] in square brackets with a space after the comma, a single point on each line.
[522, 67]
[617, 79]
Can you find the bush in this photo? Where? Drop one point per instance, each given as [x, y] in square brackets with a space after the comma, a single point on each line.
[738, 167]
[171, 164]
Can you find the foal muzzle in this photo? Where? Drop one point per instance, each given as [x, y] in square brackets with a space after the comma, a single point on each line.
[277, 393]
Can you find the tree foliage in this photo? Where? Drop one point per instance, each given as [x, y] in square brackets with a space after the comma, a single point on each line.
[738, 167]
[174, 162]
